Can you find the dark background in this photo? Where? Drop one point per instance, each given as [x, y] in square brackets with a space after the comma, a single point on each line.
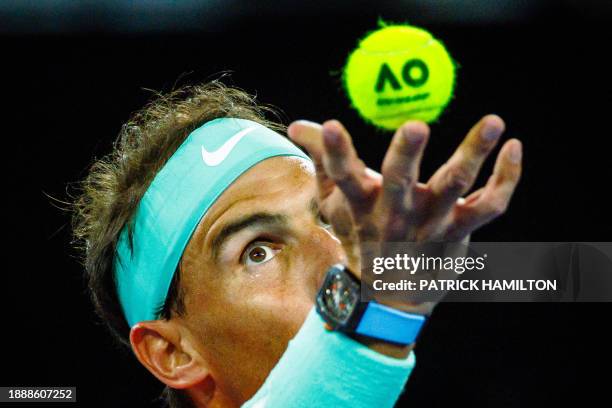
[71, 77]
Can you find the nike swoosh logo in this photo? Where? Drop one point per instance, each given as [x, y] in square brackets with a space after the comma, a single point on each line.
[217, 157]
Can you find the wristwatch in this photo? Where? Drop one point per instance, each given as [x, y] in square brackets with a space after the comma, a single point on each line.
[339, 305]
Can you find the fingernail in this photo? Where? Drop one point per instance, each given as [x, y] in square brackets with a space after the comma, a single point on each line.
[516, 153]
[331, 137]
[489, 133]
[308, 123]
[413, 135]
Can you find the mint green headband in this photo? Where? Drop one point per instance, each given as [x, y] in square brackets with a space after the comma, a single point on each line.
[206, 164]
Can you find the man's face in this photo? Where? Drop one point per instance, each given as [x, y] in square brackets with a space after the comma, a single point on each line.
[251, 271]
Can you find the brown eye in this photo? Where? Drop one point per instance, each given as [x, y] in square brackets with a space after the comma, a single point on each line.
[258, 253]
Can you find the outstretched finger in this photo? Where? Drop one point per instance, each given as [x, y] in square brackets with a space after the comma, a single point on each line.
[457, 176]
[491, 201]
[400, 172]
[344, 167]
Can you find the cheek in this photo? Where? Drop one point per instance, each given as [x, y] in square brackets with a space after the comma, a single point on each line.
[269, 298]
[244, 333]
[246, 322]
[265, 307]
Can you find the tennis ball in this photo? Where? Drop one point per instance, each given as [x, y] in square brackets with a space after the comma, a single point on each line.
[397, 73]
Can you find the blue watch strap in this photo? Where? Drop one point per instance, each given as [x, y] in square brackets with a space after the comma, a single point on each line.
[388, 324]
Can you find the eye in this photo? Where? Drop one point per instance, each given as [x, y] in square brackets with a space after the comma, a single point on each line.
[258, 253]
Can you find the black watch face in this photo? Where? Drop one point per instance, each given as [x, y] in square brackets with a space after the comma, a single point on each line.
[339, 295]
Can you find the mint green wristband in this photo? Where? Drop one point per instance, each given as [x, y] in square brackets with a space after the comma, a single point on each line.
[328, 369]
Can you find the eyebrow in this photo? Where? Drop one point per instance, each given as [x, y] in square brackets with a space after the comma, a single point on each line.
[253, 220]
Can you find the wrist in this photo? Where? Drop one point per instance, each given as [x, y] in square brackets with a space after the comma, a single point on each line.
[385, 329]
[386, 348]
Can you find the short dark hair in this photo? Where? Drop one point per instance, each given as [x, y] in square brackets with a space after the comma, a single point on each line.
[107, 198]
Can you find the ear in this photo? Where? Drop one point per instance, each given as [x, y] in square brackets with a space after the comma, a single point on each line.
[168, 351]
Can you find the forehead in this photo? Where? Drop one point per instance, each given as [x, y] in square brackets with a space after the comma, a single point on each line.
[274, 184]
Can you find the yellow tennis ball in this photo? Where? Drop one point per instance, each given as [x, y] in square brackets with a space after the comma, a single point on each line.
[397, 73]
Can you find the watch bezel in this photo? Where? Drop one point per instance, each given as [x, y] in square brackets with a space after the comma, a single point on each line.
[358, 310]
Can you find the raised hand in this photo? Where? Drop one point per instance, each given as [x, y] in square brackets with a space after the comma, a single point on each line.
[364, 206]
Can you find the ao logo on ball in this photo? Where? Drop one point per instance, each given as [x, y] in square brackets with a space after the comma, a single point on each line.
[414, 74]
